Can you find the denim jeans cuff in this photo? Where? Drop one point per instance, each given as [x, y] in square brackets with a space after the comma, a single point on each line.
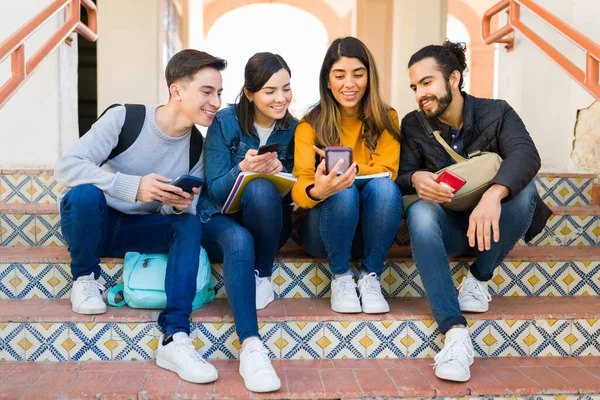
[169, 332]
[445, 325]
[340, 275]
[245, 336]
[481, 278]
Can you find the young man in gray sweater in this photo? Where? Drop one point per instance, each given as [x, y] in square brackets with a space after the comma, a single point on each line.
[114, 204]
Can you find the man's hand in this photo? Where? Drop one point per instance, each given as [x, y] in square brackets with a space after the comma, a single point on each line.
[485, 218]
[154, 187]
[428, 189]
[181, 203]
[328, 185]
[267, 163]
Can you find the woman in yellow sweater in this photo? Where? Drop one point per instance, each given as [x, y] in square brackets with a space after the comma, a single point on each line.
[347, 219]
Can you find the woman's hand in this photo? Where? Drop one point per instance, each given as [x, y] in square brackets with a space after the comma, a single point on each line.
[267, 163]
[327, 185]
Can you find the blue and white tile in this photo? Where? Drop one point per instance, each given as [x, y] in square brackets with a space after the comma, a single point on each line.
[578, 192]
[580, 230]
[12, 341]
[295, 280]
[459, 270]
[270, 332]
[302, 340]
[7, 279]
[509, 338]
[15, 189]
[386, 339]
[44, 189]
[46, 342]
[49, 232]
[424, 339]
[585, 277]
[404, 280]
[552, 278]
[62, 275]
[585, 337]
[19, 230]
[323, 278]
[551, 234]
[345, 340]
[111, 275]
[549, 190]
[480, 331]
[216, 341]
[549, 338]
[34, 281]
[513, 279]
[89, 341]
[217, 278]
[133, 342]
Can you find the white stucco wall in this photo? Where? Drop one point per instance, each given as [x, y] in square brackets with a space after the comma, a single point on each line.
[41, 118]
[544, 96]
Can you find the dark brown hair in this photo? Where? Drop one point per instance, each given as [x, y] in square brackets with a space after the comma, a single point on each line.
[449, 57]
[185, 64]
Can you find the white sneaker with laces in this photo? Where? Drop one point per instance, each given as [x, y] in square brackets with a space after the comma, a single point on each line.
[473, 295]
[264, 292]
[86, 296]
[343, 295]
[454, 361]
[256, 369]
[181, 357]
[369, 289]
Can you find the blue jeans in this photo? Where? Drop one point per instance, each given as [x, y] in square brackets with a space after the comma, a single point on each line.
[248, 241]
[93, 230]
[436, 234]
[361, 223]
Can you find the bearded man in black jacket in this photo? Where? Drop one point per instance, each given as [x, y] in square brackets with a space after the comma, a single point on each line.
[509, 209]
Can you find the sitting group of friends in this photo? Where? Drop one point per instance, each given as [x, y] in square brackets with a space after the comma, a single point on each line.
[112, 205]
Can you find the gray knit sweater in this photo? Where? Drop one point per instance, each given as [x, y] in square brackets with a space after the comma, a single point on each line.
[119, 178]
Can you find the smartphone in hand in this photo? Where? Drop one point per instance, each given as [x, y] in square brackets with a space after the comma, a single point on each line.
[268, 148]
[188, 182]
[335, 153]
[451, 180]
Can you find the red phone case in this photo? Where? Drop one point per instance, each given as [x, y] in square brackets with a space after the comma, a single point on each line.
[335, 153]
[454, 181]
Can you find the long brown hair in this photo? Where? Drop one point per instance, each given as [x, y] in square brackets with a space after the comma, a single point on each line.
[325, 116]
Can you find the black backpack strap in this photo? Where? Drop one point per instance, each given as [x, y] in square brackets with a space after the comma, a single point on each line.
[135, 114]
[196, 143]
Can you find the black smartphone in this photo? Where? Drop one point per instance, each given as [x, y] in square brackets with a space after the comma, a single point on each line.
[335, 153]
[188, 182]
[268, 148]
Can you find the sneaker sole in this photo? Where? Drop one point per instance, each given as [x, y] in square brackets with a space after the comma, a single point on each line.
[348, 310]
[266, 389]
[168, 366]
[474, 309]
[94, 311]
[376, 310]
[271, 299]
[454, 378]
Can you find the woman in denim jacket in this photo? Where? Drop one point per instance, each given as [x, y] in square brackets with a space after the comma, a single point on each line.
[247, 241]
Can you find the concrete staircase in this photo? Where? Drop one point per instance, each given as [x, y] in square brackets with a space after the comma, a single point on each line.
[540, 337]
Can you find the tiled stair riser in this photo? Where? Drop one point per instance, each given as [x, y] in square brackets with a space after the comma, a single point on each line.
[313, 280]
[74, 341]
[43, 188]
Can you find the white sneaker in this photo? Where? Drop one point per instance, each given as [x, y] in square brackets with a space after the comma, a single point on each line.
[86, 296]
[369, 290]
[181, 357]
[343, 295]
[454, 361]
[264, 292]
[473, 295]
[256, 369]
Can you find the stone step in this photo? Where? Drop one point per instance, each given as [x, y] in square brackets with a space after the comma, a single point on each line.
[44, 272]
[23, 225]
[550, 378]
[47, 330]
[39, 186]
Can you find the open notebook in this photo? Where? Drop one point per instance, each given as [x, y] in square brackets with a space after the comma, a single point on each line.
[283, 181]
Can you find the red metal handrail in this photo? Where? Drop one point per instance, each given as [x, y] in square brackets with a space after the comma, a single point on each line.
[588, 79]
[14, 46]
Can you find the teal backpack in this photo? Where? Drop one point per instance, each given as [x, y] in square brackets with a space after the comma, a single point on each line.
[144, 282]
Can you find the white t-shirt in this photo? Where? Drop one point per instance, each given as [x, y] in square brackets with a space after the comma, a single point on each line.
[264, 133]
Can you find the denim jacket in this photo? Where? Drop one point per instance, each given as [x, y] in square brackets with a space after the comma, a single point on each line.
[225, 147]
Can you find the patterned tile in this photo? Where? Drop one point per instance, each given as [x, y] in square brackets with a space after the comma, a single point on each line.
[584, 278]
[402, 236]
[323, 280]
[33, 281]
[297, 280]
[480, 331]
[508, 338]
[549, 190]
[15, 189]
[271, 338]
[585, 337]
[12, 342]
[61, 281]
[549, 338]
[576, 192]
[217, 278]
[385, 339]
[44, 189]
[302, 340]
[111, 275]
[403, 280]
[580, 230]
[424, 339]
[7, 280]
[552, 234]
[513, 279]
[44, 342]
[89, 341]
[48, 231]
[345, 340]
[18, 230]
[133, 342]
[216, 341]
[551, 278]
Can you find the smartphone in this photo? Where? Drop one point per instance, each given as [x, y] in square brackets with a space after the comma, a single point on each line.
[451, 181]
[187, 182]
[268, 148]
[335, 153]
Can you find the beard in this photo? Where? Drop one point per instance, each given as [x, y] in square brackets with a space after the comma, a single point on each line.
[443, 103]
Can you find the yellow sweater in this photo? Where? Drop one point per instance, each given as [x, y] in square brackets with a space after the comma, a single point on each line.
[385, 158]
